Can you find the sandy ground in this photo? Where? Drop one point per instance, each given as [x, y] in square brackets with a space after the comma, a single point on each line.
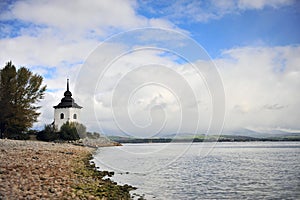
[38, 170]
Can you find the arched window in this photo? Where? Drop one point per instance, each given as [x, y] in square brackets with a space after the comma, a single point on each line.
[62, 115]
[74, 116]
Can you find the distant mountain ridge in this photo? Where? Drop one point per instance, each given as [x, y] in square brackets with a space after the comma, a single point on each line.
[261, 133]
[239, 132]
[241, 135]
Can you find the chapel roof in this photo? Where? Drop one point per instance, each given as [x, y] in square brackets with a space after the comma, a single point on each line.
[67, 101]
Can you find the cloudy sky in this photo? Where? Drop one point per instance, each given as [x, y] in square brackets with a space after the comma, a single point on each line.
[204, 64]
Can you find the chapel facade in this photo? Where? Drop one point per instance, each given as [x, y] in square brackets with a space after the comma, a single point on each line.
[67, 110]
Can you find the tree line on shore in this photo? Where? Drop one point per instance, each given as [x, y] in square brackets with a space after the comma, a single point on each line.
[69, 131]
[20, 92]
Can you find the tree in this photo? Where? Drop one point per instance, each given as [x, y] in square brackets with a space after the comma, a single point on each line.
[93, 135]
[69, 132]
[20, 91]
[48, 134]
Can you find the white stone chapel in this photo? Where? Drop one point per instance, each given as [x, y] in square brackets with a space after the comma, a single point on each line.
[66, 110]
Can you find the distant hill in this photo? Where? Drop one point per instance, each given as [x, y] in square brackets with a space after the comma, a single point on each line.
[235, 135]
[261, 133]
[203, 138]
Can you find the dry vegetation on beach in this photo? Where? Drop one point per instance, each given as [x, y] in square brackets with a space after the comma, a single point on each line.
[40, 170]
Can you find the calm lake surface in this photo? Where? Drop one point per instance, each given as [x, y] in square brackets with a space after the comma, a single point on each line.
[243, 170]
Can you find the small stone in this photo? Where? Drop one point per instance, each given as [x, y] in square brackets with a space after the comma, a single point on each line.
[35, 158]
[51, 190]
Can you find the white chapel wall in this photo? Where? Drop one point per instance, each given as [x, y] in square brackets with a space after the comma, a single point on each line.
[68, 116]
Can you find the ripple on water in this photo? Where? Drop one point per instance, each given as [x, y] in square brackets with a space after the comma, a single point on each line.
[231, 171]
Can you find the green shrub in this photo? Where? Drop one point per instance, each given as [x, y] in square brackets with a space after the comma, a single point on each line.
[48, 134]
[68, 132]
[19, 136]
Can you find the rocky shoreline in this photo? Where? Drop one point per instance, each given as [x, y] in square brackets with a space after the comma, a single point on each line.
[41, 170]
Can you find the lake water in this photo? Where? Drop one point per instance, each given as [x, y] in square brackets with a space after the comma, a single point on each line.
[244, 170]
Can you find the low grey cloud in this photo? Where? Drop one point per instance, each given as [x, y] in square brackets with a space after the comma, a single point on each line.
[274, 106]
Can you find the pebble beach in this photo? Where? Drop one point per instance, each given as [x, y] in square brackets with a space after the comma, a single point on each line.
[41, 170]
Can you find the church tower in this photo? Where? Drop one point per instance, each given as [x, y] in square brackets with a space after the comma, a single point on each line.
[67, 110]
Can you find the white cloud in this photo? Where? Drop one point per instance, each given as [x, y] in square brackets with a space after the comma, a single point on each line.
[138, 90]
[56, 33]
[261, 93]
[44, 50]
[92, 18]
[261, 85]
[53, 38]
[78, 15]
[203, 11]
[260, 4]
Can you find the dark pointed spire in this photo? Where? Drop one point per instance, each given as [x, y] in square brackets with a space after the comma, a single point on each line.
[67, 101]
[67, 84]
[67, 93]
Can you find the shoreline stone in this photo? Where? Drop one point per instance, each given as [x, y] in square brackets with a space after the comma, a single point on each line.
[42, 170]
